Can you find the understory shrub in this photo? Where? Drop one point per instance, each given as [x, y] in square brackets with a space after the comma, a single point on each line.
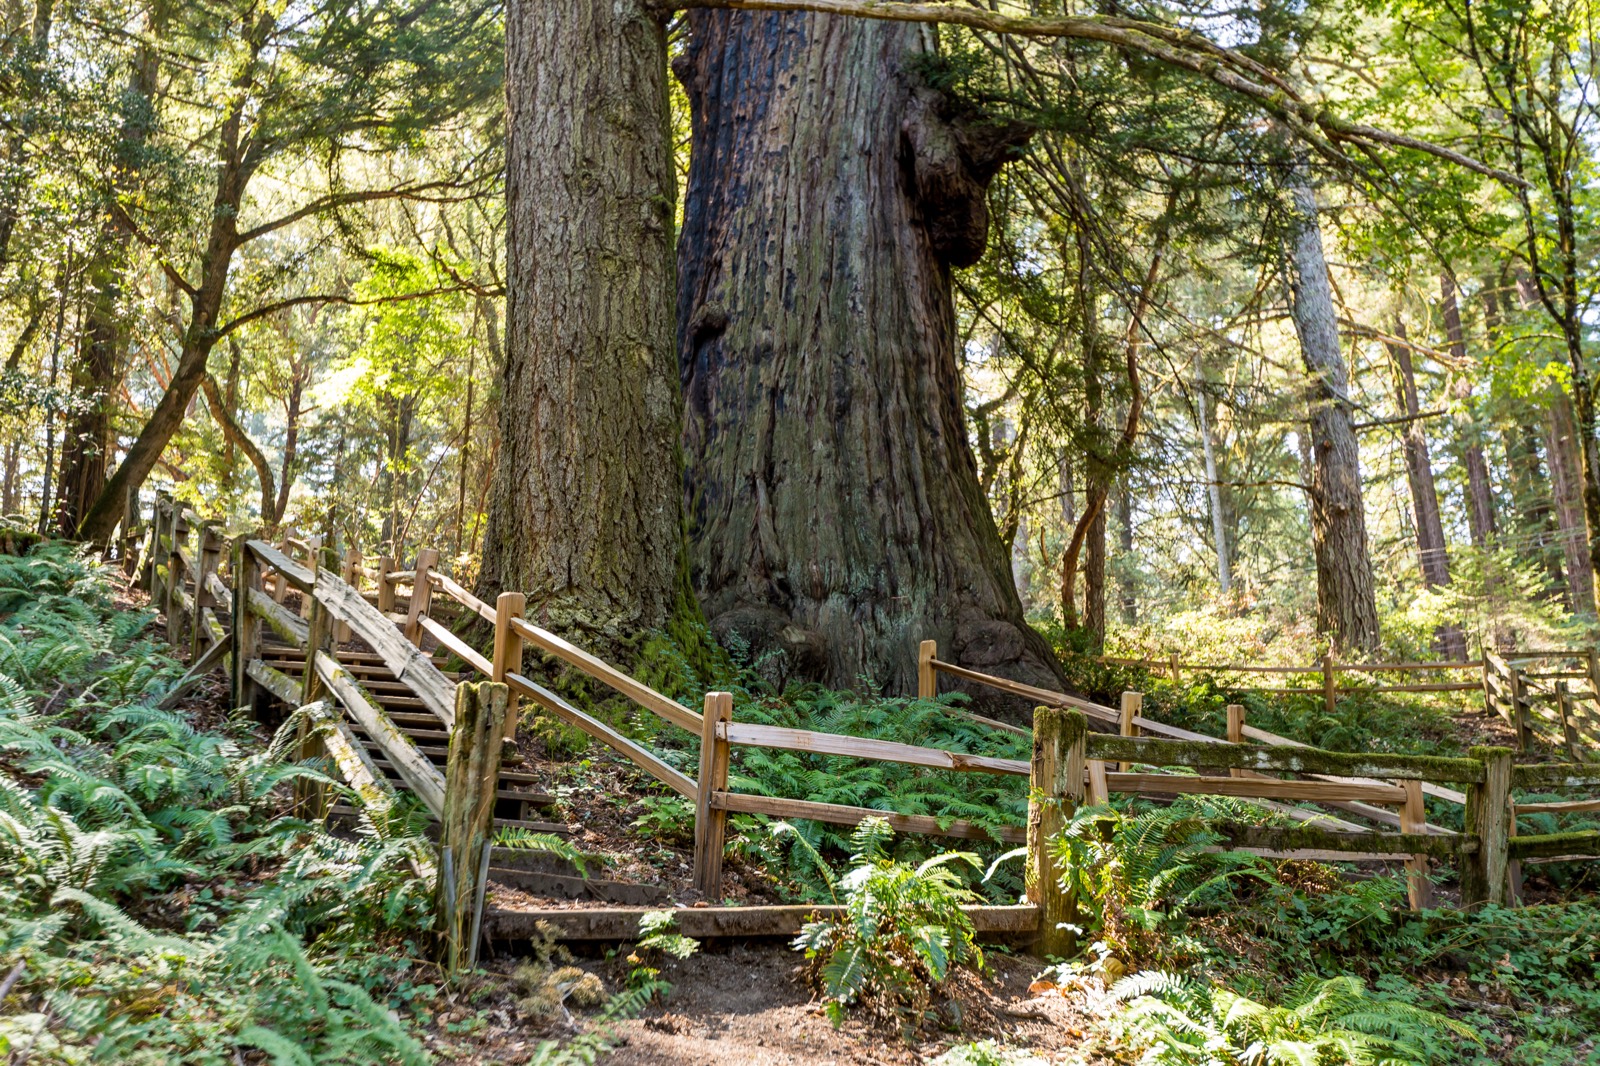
[901, 937]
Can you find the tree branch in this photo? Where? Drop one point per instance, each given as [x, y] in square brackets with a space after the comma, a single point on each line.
[1177, 47]
[334, 298]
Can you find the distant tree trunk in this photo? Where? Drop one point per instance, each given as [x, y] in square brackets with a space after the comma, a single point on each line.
[1346, 608]
[834, 504]
[8, 480]
[291, 439]
[1219, 522]
[584, 511]
[1432, 551]
[1566, 483]
[1480, 495]
[1130, 601]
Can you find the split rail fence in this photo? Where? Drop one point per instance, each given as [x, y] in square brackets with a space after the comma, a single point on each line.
[1070, 764]
[1556, 687]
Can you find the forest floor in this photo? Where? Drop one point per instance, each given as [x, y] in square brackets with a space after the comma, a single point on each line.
[747, 1003]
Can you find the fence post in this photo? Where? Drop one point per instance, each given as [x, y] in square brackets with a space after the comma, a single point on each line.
[711, 823]
[421, 594]
[1593, 657]
[927, 676]
[1235, 731]
[385, 586]
[508, 650]
[207, 552]
[1330, 682]
[1514, 866]
[158, 551]
[314, 561]
[1519, 708]
[319, 642]
[351, 573]
[176, 569]
[1132, 702]
[1055, 788]
[245, 633]
[280, 587]
[1488, 693]
[466, 830]
[1176, 667]
[1414, 819]
[1483, 875]
[1569, 731]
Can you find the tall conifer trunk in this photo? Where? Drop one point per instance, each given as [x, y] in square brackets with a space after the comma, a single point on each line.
[584, 510]
[1432, 552]
[1346, 608]
[834, 504]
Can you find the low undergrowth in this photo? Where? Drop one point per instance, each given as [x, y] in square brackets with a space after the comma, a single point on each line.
[160, 906]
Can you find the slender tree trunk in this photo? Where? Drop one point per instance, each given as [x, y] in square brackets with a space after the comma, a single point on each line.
[291, 440]
[1566, 483]
[1432, 551]
[86, 445]
[584, 513]
[9, 500]
[1219, 522]
[1346, 607]
[1480, 494]
[835, 510]
[1126, 562]
[47, 501]
[199, 336]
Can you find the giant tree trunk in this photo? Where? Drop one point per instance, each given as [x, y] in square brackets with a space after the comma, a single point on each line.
[1346, 608]
[86, 447]
[833, 498]
[1432, 550]
[584, 512]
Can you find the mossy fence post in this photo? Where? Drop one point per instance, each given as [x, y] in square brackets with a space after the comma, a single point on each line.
[1485, 871]
[927, 674]
[711, 823]
[311, 798]
[1055, 789]
[466, 830]
[245, 632]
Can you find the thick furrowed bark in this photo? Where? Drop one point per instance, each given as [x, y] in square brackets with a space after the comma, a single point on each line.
[834, 504]
[584, 510]
[1346, 607]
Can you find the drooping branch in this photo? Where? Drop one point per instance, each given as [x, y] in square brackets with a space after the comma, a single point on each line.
[1177, 47]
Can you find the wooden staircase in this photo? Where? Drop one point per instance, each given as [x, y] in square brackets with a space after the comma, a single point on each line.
[519, 804]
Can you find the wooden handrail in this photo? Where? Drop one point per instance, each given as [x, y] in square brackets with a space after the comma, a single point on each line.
[1291, 759]
[420, 775]
[462, 596]
[772, 736]
[839, 814]
[646, 760]
[1254, 788]
[601, 671]
[1018, 688]
[456, 646]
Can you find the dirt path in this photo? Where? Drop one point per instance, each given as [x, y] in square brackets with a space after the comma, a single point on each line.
[747, 1004]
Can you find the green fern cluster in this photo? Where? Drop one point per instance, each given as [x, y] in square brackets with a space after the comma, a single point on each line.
[992, 801]
[901, 937]
[1138, 871]
[1332, 1022]
[158, 904]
